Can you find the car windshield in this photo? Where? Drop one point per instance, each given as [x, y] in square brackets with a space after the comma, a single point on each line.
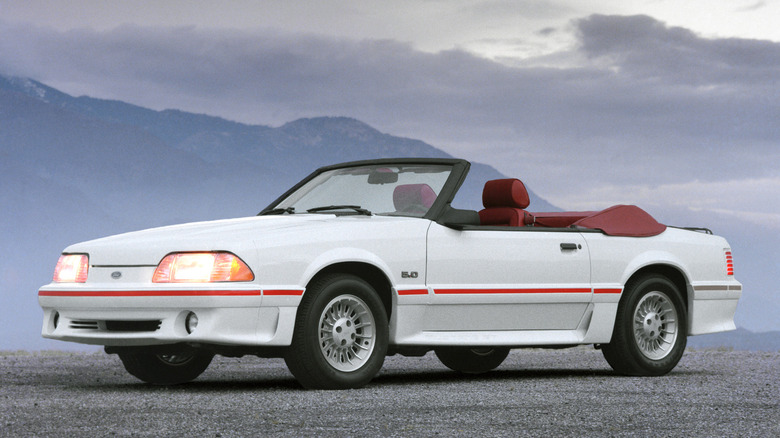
[404, 190]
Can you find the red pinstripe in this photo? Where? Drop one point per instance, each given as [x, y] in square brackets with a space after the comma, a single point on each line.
[413, 292]
[148, 293]
[283, 292]
[515, 291]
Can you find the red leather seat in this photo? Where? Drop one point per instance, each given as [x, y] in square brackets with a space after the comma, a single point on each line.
[413, 198]
[505, 201]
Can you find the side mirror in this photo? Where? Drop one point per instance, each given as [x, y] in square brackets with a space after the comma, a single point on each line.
[458, 219]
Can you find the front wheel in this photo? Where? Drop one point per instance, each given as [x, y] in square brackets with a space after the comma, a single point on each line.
[472, 360]
[341, 335]
[166, 369]
[650, 331]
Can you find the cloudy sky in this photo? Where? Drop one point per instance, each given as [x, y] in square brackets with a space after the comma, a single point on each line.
[666, 104]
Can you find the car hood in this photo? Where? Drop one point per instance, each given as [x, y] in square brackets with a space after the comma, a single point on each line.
[148, 247]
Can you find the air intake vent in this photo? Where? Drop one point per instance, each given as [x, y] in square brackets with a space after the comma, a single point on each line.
[84, 325]
[133, 326]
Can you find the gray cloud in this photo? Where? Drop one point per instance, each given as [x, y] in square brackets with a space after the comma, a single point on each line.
[645, 47]
[650, 104]
[752, 7]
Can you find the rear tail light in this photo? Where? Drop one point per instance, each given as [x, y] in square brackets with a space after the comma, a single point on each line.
[202, 267]
[72, 268]
[729, 263]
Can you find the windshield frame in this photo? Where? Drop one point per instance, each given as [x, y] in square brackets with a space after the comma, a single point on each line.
[458, 174]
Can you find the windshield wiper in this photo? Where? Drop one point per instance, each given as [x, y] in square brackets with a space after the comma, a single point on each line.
[288, 210]
[356, 208]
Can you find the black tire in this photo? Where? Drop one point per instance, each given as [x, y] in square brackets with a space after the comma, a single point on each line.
[471, 360]
[651, 328]
[166, 369]
[340, 336]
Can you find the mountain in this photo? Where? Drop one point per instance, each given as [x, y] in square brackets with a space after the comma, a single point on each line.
[192, 143]
[77, 168]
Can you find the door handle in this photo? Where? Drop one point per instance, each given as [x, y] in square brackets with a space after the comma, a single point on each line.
[570, 246]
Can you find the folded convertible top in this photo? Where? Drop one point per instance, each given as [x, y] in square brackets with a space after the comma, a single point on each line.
[623, 220]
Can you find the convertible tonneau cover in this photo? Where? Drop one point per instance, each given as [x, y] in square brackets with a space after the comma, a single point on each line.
[618, 220]
[623, 220]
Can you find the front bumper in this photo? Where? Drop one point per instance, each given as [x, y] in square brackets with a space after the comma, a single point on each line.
[138, 314]
[253, 326]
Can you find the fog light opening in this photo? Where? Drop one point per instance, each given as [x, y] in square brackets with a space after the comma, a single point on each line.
[191, 322]
[56, 319]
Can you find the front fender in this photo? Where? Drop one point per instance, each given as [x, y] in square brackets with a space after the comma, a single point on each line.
[344, 255]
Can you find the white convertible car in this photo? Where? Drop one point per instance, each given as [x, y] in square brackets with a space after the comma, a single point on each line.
[367, 259]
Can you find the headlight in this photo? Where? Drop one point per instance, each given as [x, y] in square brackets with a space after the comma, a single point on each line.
[72, 268]
[201, 267]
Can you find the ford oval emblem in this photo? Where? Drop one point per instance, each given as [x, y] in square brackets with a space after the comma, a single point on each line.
[116, 275]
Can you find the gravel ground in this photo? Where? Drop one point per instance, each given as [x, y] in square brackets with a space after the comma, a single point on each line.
[534, 393]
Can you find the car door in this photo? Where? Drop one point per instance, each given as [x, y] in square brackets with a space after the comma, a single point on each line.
[506, 279]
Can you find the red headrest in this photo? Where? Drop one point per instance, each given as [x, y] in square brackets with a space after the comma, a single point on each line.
[508, 192]
[413, 194]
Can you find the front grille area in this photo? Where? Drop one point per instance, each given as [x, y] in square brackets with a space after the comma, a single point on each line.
[117, 326]
[133, 326]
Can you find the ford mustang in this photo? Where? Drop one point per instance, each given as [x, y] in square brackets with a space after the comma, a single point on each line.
[366, 259]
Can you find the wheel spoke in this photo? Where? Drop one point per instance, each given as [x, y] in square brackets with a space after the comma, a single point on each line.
[361, 325]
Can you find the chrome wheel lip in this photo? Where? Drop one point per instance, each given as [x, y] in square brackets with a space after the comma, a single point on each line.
[347, 333]
[655, 325]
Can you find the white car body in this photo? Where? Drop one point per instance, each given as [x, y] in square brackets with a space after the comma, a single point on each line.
[289, 250]
[444, 285]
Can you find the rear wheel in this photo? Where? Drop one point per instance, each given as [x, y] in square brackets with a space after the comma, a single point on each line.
[166, 368]
[650, 331]
[472, 360]
[340, 338]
